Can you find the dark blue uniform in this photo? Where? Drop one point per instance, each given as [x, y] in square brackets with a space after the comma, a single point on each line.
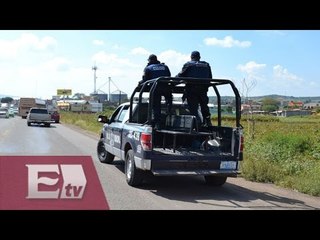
[197, 94]
[155, 70]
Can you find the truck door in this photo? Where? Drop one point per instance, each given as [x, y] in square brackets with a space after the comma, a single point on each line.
[114, 132]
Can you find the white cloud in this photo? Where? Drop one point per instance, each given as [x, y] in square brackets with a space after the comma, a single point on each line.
[43, 80]
[112, 59]
[33, 42]
[123, 72]
[251, 67]
[227, 42]
[117, 47]
[174, 60]
[98, 42]
[8, 49]
[57, 64]
[139, 51]
[253, 73]
[26, 42]
[279, 72]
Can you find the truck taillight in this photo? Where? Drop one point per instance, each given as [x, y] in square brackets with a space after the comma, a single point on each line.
[241, 143]
[146, 141]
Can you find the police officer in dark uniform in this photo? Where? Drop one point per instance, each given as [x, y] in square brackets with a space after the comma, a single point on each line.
[155, 69]
[197, 94]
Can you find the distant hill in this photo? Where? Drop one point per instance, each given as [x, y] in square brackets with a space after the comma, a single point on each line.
[227, 99]
[3, 96]
[286, 98]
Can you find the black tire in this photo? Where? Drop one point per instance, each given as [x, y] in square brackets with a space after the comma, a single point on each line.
[103, 155]
[215, 180]
[29, 124]
[134, 176]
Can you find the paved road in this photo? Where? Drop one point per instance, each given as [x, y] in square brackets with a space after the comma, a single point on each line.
[183, 193]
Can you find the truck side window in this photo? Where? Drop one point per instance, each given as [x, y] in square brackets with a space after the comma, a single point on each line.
[115, 114]
[121, 114]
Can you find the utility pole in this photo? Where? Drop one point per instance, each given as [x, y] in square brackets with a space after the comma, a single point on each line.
[109, 89]
[94, 68]
[119, 97]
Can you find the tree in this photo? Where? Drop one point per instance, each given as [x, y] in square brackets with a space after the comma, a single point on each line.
[269, 108]
[270, 104]
[247, 86]
[6, 100]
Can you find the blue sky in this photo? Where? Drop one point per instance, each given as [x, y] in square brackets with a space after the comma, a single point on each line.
[37, 63]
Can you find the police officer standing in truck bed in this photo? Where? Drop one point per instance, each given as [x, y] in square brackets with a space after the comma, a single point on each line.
[197, 94]
[155, 69]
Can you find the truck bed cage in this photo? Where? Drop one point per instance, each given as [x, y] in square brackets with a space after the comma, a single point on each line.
[177, 85]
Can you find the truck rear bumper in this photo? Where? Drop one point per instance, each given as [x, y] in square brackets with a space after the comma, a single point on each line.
[195, 172]
[39, 121]
[201, 166]
[204, 168]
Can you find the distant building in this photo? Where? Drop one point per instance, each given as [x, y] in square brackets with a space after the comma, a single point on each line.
[118, 97]
[56, 97]
[248, 108]
[101, 97]
[290, 113]
[311, 105]
[297, 104]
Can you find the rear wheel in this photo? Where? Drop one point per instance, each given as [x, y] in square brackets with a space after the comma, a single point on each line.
[134, 176]
[103, 155]
[215, 180]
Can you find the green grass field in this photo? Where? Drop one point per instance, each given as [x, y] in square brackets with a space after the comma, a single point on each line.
[283, 151]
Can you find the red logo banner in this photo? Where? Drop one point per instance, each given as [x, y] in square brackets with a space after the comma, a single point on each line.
[50, 182]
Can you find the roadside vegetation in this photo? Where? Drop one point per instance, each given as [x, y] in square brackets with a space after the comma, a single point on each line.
[283, 151]
[86, 121]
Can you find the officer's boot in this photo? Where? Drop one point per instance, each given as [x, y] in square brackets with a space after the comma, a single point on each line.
[207, 121]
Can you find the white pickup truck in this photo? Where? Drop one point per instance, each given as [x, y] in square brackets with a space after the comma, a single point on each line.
[39, 116]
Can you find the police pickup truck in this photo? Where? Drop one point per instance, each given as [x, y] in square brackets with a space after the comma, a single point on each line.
[181, 146]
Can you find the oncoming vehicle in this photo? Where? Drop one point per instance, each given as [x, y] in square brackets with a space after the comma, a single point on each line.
[181, 146]
[4, 113]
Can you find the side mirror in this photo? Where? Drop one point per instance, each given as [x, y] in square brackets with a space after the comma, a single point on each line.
[103, 119]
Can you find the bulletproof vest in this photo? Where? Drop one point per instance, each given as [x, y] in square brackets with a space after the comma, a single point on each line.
[198, 69]
[158, 70]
